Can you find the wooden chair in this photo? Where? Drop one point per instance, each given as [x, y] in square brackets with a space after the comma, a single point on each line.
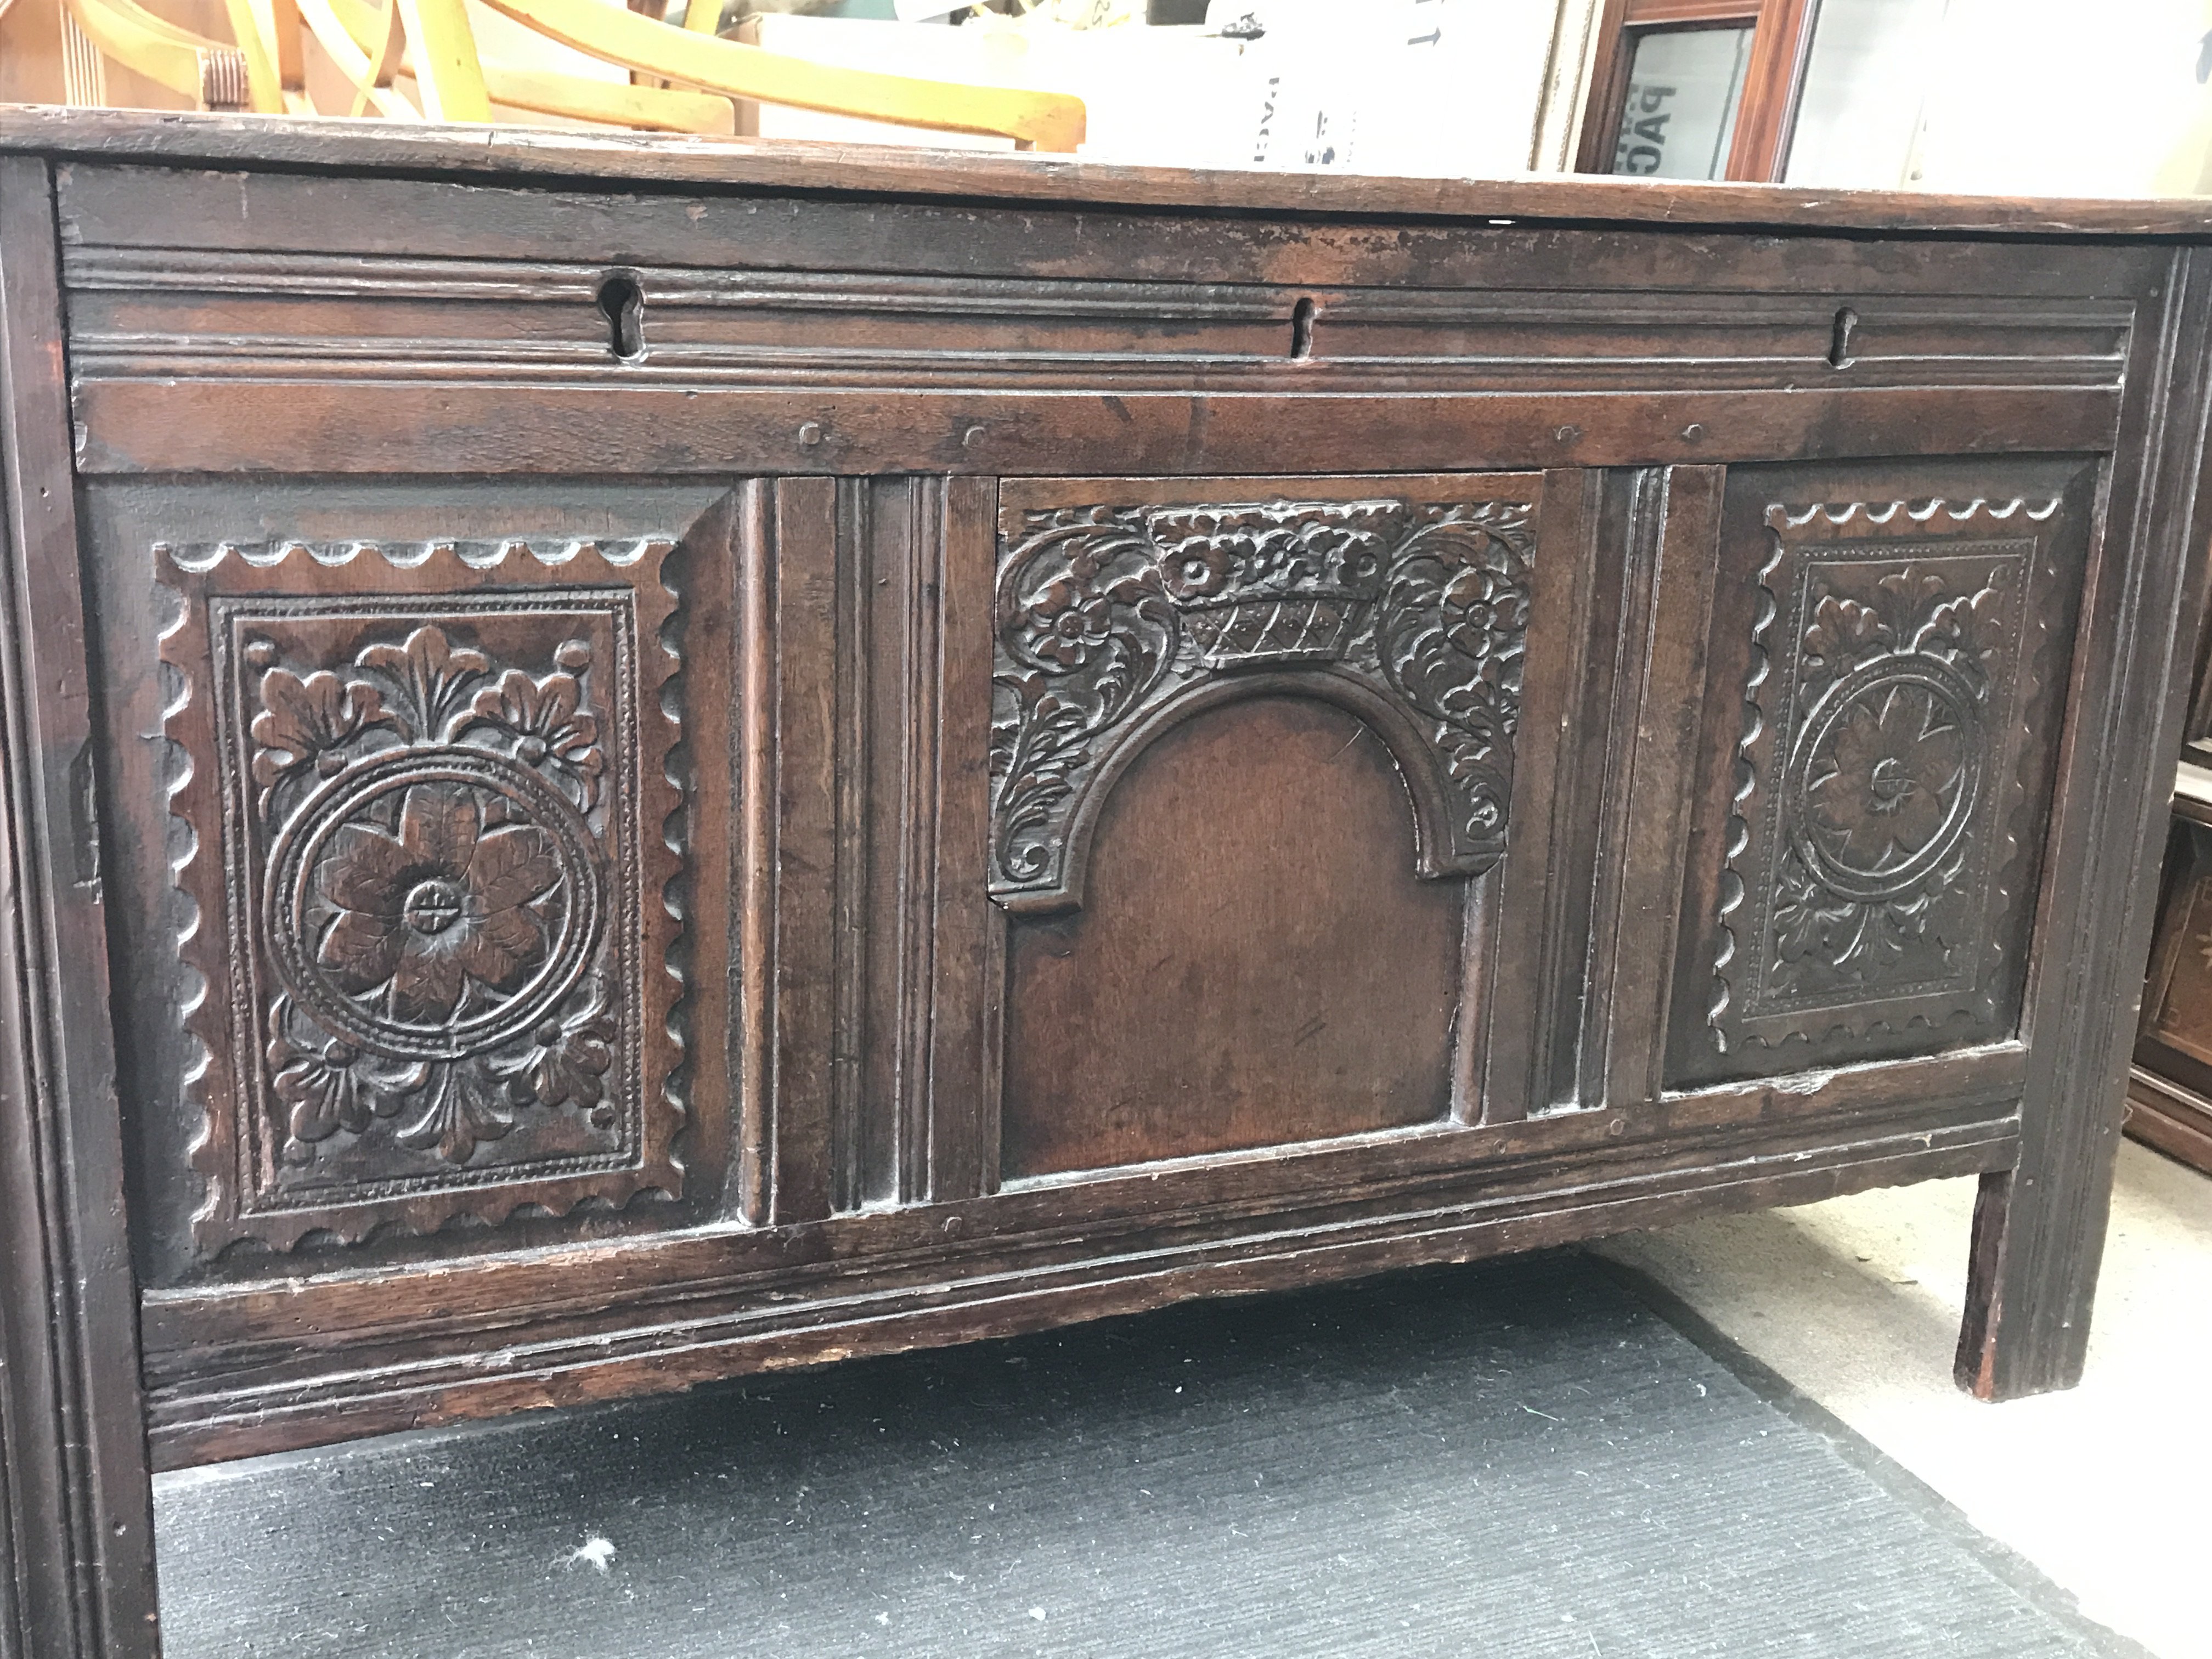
[372, 45]
[266, 71]
[373, 42]
[215, 75]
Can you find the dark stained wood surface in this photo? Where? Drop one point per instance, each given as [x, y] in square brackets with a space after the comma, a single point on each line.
[76, 1549]
[1058, 740]
[2169, 1082]
[666, 162]
[2176, 1038]
[1865, 848]
[1297, 983]
[2040, 1228]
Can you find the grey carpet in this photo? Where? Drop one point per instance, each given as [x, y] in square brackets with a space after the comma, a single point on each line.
[1520, 1459]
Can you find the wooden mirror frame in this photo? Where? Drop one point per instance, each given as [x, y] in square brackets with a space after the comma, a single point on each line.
[1781, 42]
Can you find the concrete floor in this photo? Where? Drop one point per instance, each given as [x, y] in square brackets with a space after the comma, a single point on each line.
[1855, 1303]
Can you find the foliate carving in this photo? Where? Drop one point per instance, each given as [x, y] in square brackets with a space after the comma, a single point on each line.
[1107, 616]
[432, 817]
[1867, 853]
[435, 891]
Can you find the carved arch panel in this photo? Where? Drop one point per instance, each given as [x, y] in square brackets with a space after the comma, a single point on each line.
[1122, 607]
[1252, 757]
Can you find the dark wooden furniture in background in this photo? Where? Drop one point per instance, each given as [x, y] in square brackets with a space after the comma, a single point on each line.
[631, 761]
[1766, 108]
[2170, 1085]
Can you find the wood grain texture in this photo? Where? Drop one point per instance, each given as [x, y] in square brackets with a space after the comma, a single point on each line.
[220, 1350]
[77, 1538]
[1404, 946]
[804, 943]
[2177, 1120]
[429, 796]
[867, 243]
[2040, 1228]
[2176, 1022]
[152, 427]
[936, 1310]
[251, 314]
[1655, 753]
[896, 684]
[666, 162]
[1533, 932]
[1977, 1085]
[1872, 802]
[1292, 987]
[2172, 1063]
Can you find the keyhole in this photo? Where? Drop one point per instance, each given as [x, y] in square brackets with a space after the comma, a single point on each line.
[622, 302]
[1302, 320]
[1839, 342]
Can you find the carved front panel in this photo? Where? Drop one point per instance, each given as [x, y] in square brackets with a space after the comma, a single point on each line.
[429, 819]
[1252, 745]
[1900, 701]
[1113, 621]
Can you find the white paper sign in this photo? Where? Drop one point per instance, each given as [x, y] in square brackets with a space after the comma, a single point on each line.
[1416, 87]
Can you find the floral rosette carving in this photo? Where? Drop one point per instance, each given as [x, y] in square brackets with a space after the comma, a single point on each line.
[1903, 691]
[1884, 770]
[435, 894]
[1106, 614]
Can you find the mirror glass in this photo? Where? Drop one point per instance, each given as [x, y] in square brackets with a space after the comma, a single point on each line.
[1685, 86]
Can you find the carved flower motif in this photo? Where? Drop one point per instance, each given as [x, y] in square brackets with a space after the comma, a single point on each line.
[1068, 625]
[430, 670]
[458, 1113]
[567, 1062]
[1895, 762]
[1842, 630]
[1485, 616]
[1339, 552]
[323, 1089]
[550, 728]
[1200, 567]
[329, 1084]
[443, 904]
[308, 721]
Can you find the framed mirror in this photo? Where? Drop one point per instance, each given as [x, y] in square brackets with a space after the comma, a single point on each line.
[1696, 89]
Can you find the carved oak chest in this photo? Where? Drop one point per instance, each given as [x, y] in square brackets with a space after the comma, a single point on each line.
[628, 762]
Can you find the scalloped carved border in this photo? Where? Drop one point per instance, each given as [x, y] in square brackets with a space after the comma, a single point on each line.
[433, 816]
[1881, 907]
[553, 553]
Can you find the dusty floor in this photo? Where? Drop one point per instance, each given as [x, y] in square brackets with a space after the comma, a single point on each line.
[1855, 1303]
